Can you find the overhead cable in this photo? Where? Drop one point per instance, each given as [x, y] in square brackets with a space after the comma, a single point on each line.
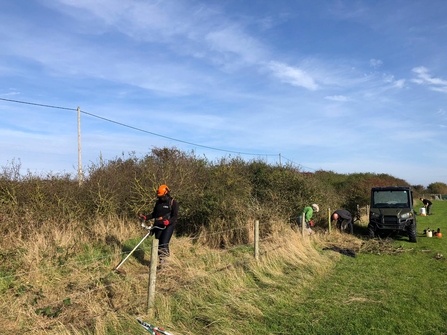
[138, 129]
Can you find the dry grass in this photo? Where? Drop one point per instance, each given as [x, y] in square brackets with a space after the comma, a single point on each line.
[67, 275]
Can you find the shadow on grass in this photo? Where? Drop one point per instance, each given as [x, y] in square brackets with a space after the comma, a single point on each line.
[361, 231]
[137, 254]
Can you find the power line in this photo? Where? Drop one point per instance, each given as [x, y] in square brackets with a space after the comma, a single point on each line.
[138, 129]
[36, 104]
[309, 168]
[173, 139]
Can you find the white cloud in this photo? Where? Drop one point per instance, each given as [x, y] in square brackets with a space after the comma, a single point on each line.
[422, 72]
[293, 76]
[439, 89]
[234, 40]
[8, 94]
[399, 83]
[337, 98]
[435, 84]
[395, 83]
[375, 63]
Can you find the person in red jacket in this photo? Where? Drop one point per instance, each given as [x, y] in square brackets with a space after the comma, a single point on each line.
[165, 215]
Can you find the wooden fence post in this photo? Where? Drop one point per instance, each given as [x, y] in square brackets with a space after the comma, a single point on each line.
[303, 223]
[152, 276]
[358, 212]
[329, 220]
[257, 240]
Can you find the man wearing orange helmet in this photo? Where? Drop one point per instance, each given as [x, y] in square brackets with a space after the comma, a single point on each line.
[165, 213]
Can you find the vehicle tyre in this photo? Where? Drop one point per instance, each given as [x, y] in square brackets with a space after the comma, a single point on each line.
[371, 231]
[412, 233]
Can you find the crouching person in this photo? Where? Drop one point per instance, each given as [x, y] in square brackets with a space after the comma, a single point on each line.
[343, 220]
[308, 213]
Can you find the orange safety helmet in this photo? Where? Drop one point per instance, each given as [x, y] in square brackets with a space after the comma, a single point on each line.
[163, 190]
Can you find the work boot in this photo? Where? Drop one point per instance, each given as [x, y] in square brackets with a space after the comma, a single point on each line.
[162, 262]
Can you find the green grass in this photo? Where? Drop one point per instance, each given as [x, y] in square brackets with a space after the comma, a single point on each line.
[400, 293]
[400, 289]
[371, 294]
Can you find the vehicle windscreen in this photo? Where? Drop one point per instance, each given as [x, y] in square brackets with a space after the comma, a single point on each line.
[390, 199]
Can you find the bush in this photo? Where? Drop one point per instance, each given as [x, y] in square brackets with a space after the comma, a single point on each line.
[224, 196]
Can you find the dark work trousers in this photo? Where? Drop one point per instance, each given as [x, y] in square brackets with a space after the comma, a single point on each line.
[164, 237]
[343, 224]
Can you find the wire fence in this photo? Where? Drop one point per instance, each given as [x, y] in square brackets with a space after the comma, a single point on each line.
[124, 253]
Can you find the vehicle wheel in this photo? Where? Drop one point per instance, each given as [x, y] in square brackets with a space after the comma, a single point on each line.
[371, 231]
[412, 233]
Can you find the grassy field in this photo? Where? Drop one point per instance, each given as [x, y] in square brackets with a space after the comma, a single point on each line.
[51, 285]
[392, 286]
[397, 288]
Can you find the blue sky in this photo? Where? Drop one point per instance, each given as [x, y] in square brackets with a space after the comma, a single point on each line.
[346, 86]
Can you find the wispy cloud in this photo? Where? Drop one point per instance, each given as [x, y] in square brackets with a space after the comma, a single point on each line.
[292, 75]
[9, 94]
[424, 78]
[375, 63]
[337, 98]
[234, 41]
[399, 83]
[442, 89]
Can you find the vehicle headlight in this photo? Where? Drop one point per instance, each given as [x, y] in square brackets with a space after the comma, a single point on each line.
[406, 216]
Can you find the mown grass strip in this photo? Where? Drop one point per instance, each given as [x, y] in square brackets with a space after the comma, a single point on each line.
[375, 293]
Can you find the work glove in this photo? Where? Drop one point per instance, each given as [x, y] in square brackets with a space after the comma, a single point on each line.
[166, 222]
[311, 223]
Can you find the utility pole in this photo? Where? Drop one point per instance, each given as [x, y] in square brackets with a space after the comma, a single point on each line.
[80, 175]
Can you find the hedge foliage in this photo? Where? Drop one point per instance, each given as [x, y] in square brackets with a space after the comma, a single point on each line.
[221, 195]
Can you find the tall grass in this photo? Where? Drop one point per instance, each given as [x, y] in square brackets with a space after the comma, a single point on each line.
[63, 281]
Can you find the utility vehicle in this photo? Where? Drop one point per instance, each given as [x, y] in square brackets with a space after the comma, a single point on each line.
[392, 210]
